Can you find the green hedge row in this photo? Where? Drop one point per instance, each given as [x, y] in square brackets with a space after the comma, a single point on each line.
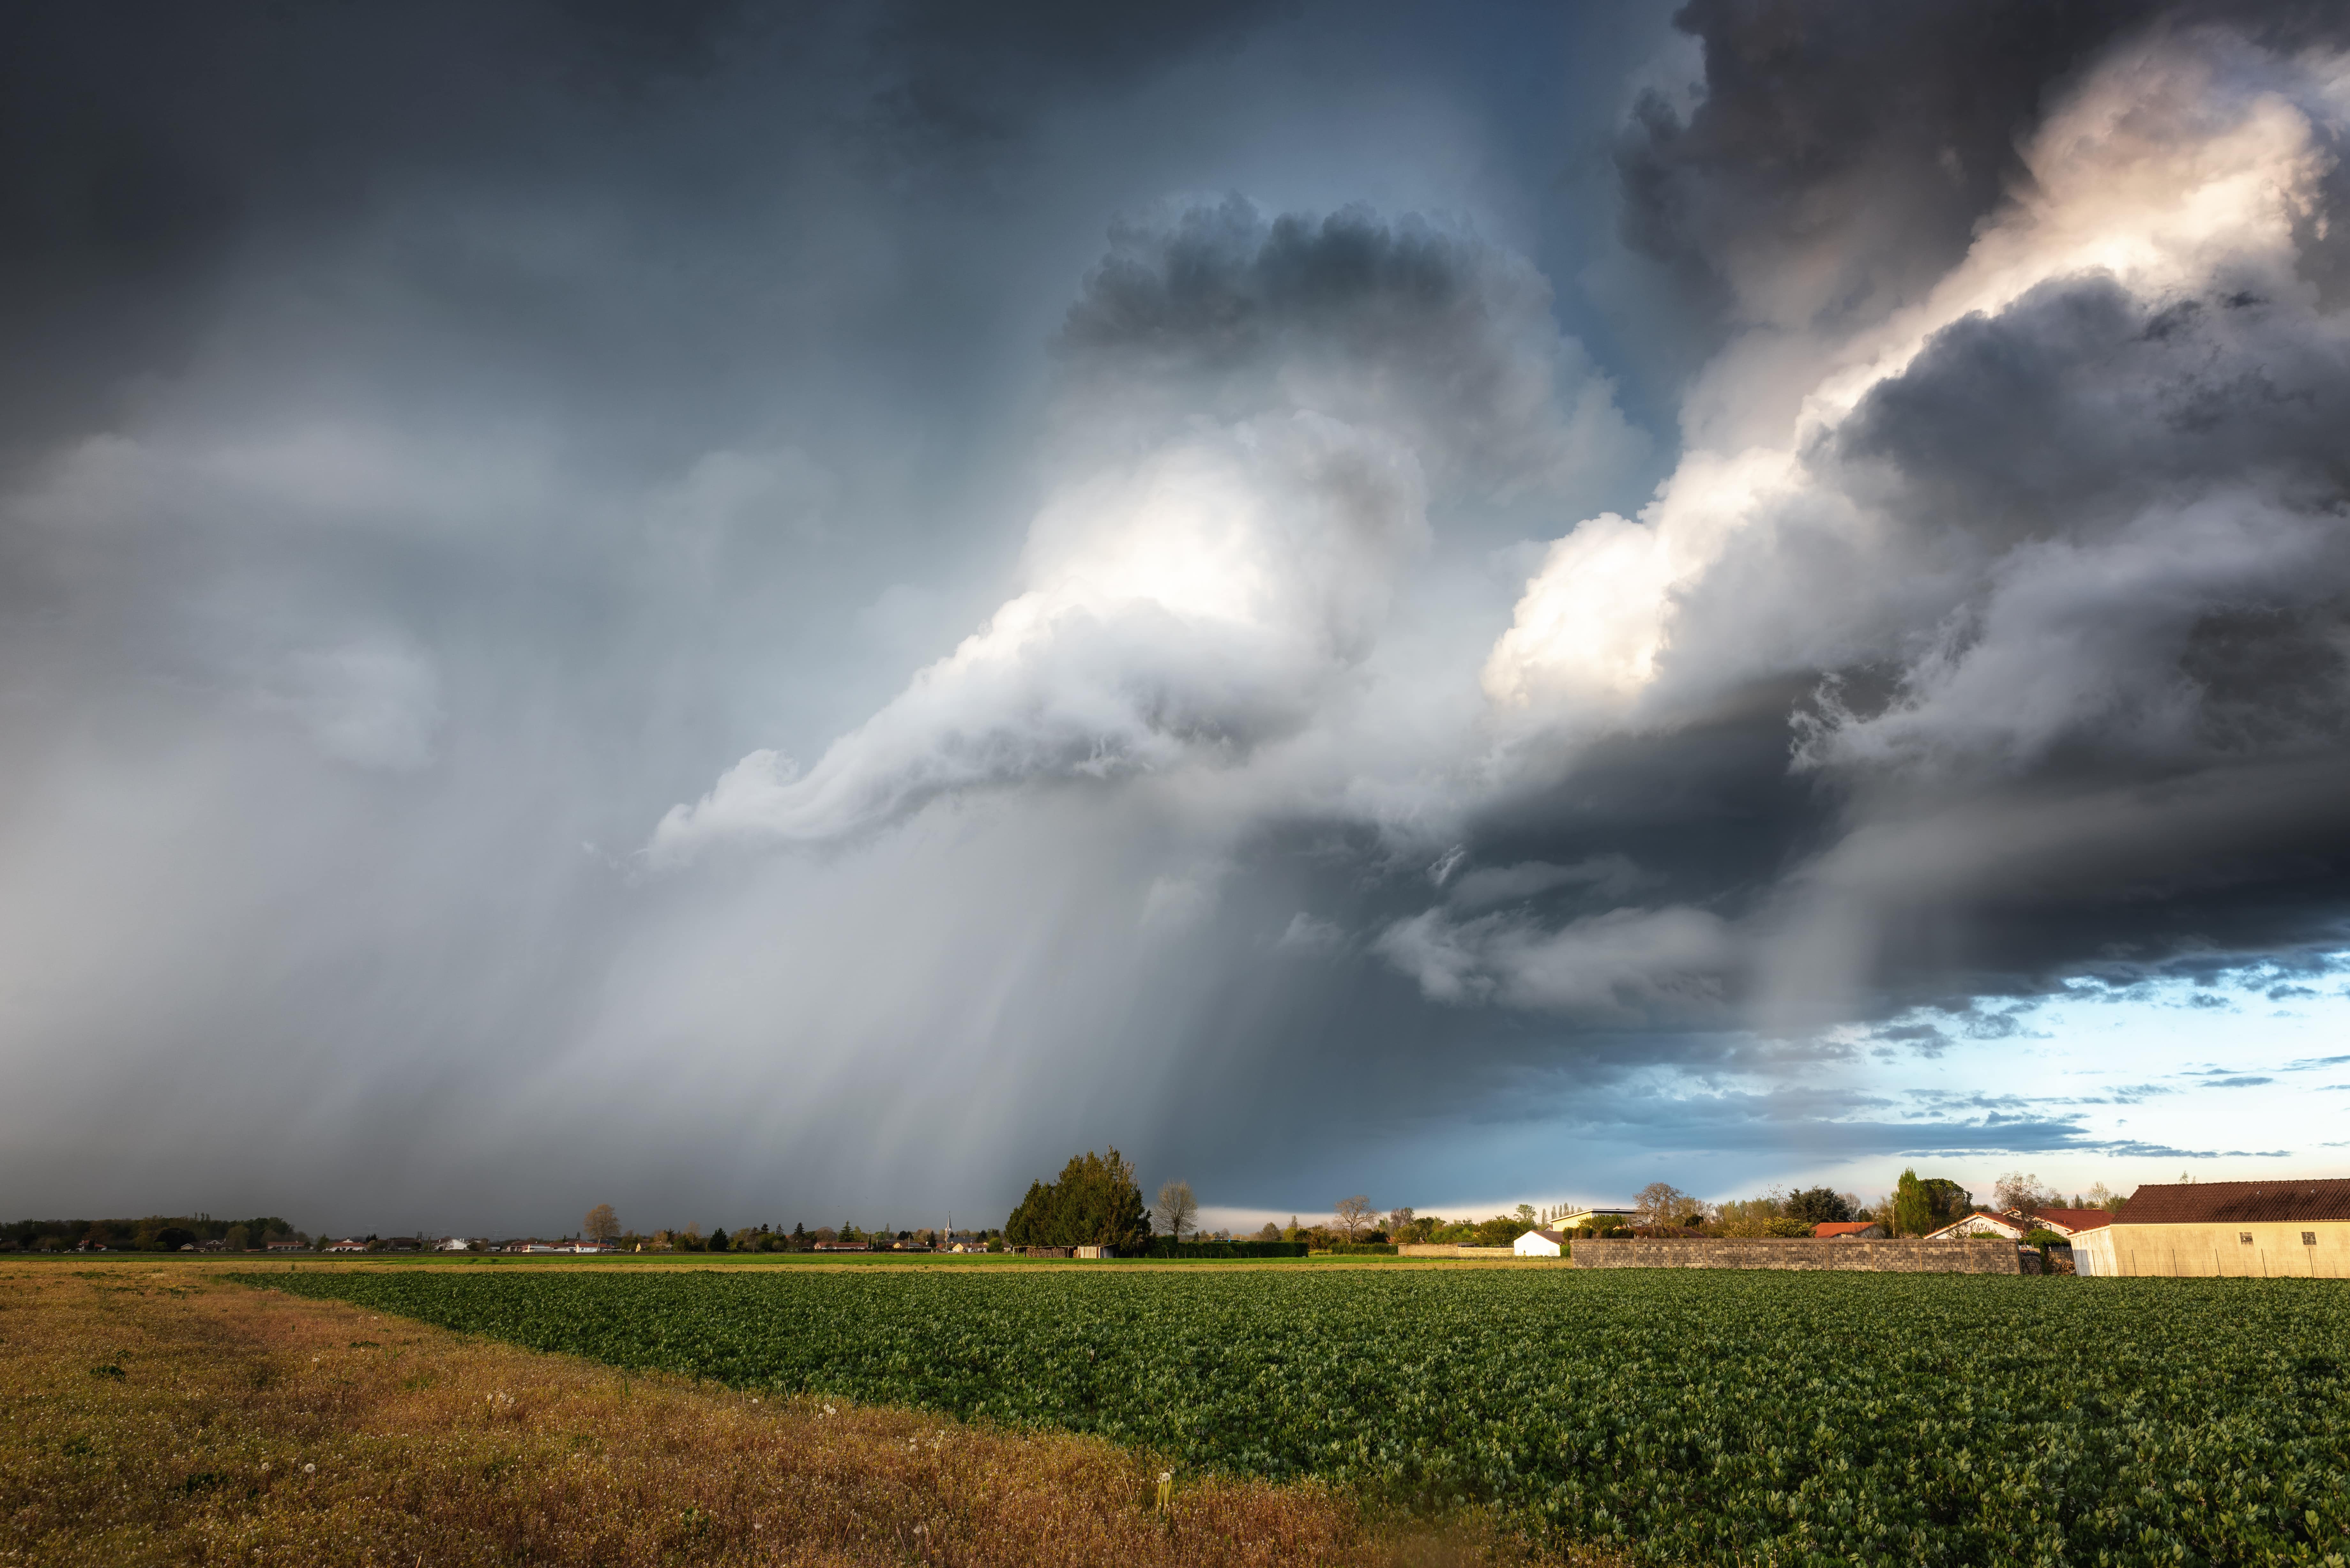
[1362, 1248]
[1168, 1247]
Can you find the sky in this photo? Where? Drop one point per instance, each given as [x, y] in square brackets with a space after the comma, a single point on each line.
[775, 614]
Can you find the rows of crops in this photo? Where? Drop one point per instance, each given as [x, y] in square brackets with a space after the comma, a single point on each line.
[1750, 1416]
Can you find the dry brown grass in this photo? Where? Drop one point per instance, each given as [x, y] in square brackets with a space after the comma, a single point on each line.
[156, 1413]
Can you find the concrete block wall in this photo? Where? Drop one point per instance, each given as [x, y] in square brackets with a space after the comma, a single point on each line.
[1965, 1257]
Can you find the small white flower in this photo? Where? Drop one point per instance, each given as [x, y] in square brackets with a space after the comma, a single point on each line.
[309, 1470]
[1166, 1476]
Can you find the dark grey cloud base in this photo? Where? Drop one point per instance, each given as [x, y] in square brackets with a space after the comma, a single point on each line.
[436, 445]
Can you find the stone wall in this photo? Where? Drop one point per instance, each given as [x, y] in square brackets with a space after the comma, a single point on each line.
[1965, 1257]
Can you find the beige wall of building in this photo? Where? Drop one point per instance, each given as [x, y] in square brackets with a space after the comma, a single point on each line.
[2273, 1250]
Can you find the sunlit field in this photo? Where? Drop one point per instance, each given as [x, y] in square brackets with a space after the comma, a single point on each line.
[1669, 1413]
[153, 1412]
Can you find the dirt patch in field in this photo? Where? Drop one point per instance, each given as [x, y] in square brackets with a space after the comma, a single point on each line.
[157, 1413]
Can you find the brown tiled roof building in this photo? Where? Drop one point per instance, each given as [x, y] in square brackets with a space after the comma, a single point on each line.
[2295, 1226]
[2238, 1202]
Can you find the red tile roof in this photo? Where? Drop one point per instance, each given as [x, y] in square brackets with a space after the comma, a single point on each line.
[1826, 1228]
[2234, 1202]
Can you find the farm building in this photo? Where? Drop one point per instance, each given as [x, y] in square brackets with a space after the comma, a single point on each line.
[1539, 1244]
[2010, 1226]
[2071, 1223]
[2068, 1224]
[2245, 1228]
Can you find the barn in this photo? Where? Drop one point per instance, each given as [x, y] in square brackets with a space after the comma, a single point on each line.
[1540, 1243]
[2260, 1229]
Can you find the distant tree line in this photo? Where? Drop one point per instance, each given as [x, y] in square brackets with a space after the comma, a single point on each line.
[798, 1239]
[155, 1233]
[1096, 1202]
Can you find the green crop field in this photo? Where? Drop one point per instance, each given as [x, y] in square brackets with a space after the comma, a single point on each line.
[1708, 1417]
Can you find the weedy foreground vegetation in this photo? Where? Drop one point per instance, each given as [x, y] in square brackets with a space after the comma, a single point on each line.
[162, 1415]
[1671, 1415]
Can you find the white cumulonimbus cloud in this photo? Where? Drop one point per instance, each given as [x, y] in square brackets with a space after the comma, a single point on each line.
[2078, 500]
[2188, 173]
[1193, 606]
[1202, 584]
[2071, 494]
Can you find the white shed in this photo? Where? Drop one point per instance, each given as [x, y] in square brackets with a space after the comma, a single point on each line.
[1539, 1244]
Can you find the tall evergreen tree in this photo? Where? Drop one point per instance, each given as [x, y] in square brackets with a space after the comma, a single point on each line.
[1913, 1206]
[1096, 1203]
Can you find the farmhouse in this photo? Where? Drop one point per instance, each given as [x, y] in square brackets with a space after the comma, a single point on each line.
[2016, 1225]
[2261, 1228]
[2071, 1223]
[1540, 1243]
[2014, 1228]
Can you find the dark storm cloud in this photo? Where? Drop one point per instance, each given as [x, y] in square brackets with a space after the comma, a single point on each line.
[1842, 154]
[440, 439]
[2172, 743]
[2064, 577]
[146, 139]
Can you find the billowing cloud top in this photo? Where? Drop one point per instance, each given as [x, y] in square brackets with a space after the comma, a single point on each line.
[1254, 417]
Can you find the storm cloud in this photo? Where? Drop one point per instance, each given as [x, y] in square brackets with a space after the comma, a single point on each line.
[759, 613]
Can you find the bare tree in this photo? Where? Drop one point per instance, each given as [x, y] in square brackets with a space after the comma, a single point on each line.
[2017, 1193]
[1661, 1203]
[602, 1225]
[1176, 1209]
[1399, 1224]
[1354, 1215]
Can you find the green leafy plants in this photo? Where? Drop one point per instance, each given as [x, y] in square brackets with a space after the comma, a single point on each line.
[1724, 1417]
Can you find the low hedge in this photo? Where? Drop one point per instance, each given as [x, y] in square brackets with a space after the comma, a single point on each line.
[1362, 1248]
[1168, 1247]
